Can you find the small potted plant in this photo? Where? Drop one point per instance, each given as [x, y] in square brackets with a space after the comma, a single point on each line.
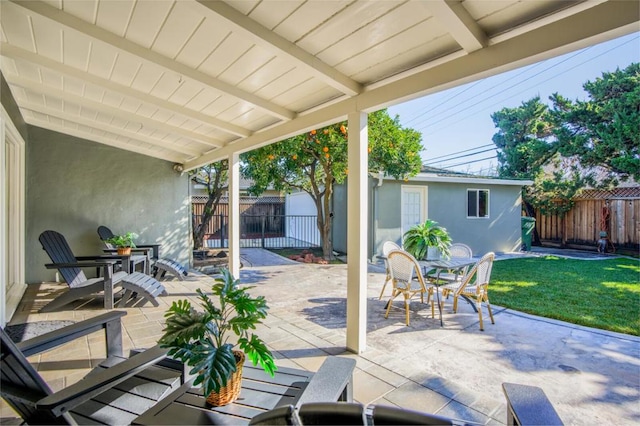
[123, 243]
[427, 240]
[200, 339]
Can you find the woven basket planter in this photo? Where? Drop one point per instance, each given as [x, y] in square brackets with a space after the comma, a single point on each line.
[124, 251]
[231, 391]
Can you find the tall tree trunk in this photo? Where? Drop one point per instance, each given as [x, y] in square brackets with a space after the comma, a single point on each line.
[324, 227]
[323, 222]
[198, 232]
[327, 242]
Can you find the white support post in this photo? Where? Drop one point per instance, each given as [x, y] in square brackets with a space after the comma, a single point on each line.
[357, 225]
[234, 214]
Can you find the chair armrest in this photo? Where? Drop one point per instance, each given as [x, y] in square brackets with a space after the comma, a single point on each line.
[70, 397]
[21, 394]
[142, 250]
[528, 405]
[89, 264]
[333, 382]
[102, 257]
[109, 321]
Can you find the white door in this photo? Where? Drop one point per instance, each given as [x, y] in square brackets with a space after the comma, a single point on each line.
[414, 206]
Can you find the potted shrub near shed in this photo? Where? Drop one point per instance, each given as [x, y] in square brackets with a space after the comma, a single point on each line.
[200, 339]
[427, 240]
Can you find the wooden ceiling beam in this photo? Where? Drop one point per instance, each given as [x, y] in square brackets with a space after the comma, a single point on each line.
[14, 52]
[457, 21]
[109, 110]
[283, 47]
[148, 55]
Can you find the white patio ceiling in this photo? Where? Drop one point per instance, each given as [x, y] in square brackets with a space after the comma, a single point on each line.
[194, 81]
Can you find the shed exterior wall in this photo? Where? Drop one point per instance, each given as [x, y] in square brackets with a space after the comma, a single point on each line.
[447, 205]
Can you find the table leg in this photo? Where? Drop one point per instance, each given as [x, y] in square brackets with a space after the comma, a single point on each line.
[126, 264]
[438, 296]
[471, 302]
[108, 287]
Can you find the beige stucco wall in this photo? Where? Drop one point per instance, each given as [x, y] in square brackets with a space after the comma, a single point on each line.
[74, 185]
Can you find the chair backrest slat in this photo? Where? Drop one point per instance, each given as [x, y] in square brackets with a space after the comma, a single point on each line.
[59, 251]
[105, 233]
[17, 373]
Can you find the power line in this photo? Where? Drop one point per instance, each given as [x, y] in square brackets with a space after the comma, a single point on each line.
[462, 156]
[440, 112]
[460, 152]
[470, 162]
[442, 103]
[510, 87]
[528, 88]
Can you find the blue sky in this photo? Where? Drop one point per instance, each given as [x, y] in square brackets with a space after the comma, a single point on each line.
[459, 119]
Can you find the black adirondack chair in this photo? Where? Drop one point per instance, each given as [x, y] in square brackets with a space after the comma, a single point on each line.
[114, 393]
[70, 267]
[160, 266]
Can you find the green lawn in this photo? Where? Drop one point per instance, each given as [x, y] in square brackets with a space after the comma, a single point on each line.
[597, 293]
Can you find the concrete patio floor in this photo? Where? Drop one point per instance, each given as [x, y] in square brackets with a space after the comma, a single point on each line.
[591, 376]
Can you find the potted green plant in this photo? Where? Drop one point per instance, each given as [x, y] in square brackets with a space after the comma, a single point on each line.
[426, 240]
[124, 243]
[200, 339]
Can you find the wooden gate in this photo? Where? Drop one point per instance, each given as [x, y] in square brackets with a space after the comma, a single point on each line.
[254, 210]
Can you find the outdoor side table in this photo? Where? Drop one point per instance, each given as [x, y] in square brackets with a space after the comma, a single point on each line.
[260, 392]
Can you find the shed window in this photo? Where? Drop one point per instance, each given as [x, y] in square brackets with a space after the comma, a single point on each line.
[477, 203]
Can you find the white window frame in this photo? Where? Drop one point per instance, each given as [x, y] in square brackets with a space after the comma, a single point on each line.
[477, 191]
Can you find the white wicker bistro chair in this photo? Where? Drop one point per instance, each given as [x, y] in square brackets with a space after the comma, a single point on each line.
[474, 286]
[386, 249]
[456, 251]
[407, 281]
[460, 250]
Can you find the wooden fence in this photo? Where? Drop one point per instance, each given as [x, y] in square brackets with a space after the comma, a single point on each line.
[583, 223]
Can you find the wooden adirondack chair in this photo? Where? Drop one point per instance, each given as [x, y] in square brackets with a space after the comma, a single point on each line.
[115, 392]
[160, 266]
[70, 267]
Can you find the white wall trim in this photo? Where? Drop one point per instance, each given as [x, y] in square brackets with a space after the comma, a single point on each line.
[12, 217]
[425, 177]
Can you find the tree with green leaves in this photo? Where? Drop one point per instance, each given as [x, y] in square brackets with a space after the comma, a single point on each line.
[523, 139]
[568, 146]
[215, 179]
[525, 146]
[603, 132]
[315, 161]
[527, 150]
